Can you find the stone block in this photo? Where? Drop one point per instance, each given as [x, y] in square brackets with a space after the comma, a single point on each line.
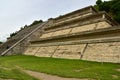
[69, 51]
[31, 50]
[47, 35]
[46, 51]
[62, 32]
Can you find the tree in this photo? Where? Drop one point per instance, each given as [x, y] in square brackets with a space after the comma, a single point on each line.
[25, 26]
[112, 7]
[36, 22]
[1, 42]
[98, 2]
[13, 34]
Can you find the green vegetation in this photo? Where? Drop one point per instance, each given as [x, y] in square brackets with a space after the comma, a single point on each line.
[13, 34]
[1, 42]
[14, 74]
[112, 7]
[60, 67]
[35, 22]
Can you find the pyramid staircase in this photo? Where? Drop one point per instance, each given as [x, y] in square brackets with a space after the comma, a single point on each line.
[83, 34]
[18, 43]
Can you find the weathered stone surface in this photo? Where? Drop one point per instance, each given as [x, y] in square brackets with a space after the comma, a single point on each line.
[46, 51]
[18, 43]
[102, 52]
[47, 35]
[89, 36]
[89, 27]
[69, 51]
[83, 34]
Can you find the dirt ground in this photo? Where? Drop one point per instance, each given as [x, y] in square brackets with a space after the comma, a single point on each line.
[43, 76]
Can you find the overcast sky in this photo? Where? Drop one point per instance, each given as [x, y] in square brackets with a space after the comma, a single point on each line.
[16, 13]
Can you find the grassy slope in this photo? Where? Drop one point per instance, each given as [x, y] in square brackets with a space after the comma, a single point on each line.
[62, 67]
[14, 74]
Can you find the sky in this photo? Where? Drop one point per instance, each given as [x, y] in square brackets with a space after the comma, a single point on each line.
[14, 14]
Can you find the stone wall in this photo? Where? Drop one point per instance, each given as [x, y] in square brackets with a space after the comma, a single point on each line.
[88, 27]
[102, 46]
[81, 12]
[102, 52]
[84, 34]
[22, 44]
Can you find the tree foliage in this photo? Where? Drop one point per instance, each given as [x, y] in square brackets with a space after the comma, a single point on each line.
[98, 2]
[1, 42]
[112, 7]
[36, 22]
[13, 34]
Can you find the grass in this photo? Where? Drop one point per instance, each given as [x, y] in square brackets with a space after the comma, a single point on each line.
[14, 74]
[60, 67]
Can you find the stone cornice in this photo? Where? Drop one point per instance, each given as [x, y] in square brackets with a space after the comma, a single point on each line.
[80, 24]
[89, 8]
[81, 35]
[75, 42]
[100, 15]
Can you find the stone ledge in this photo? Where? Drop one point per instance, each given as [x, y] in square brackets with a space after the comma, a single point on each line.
[76, 42]
[106, 31]
[89, 8]
[80, 24]
[100, 15]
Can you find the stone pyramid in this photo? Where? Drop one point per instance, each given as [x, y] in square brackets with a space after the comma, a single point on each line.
[84, 34]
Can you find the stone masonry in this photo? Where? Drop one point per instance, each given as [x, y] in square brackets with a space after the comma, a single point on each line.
[83, 34]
